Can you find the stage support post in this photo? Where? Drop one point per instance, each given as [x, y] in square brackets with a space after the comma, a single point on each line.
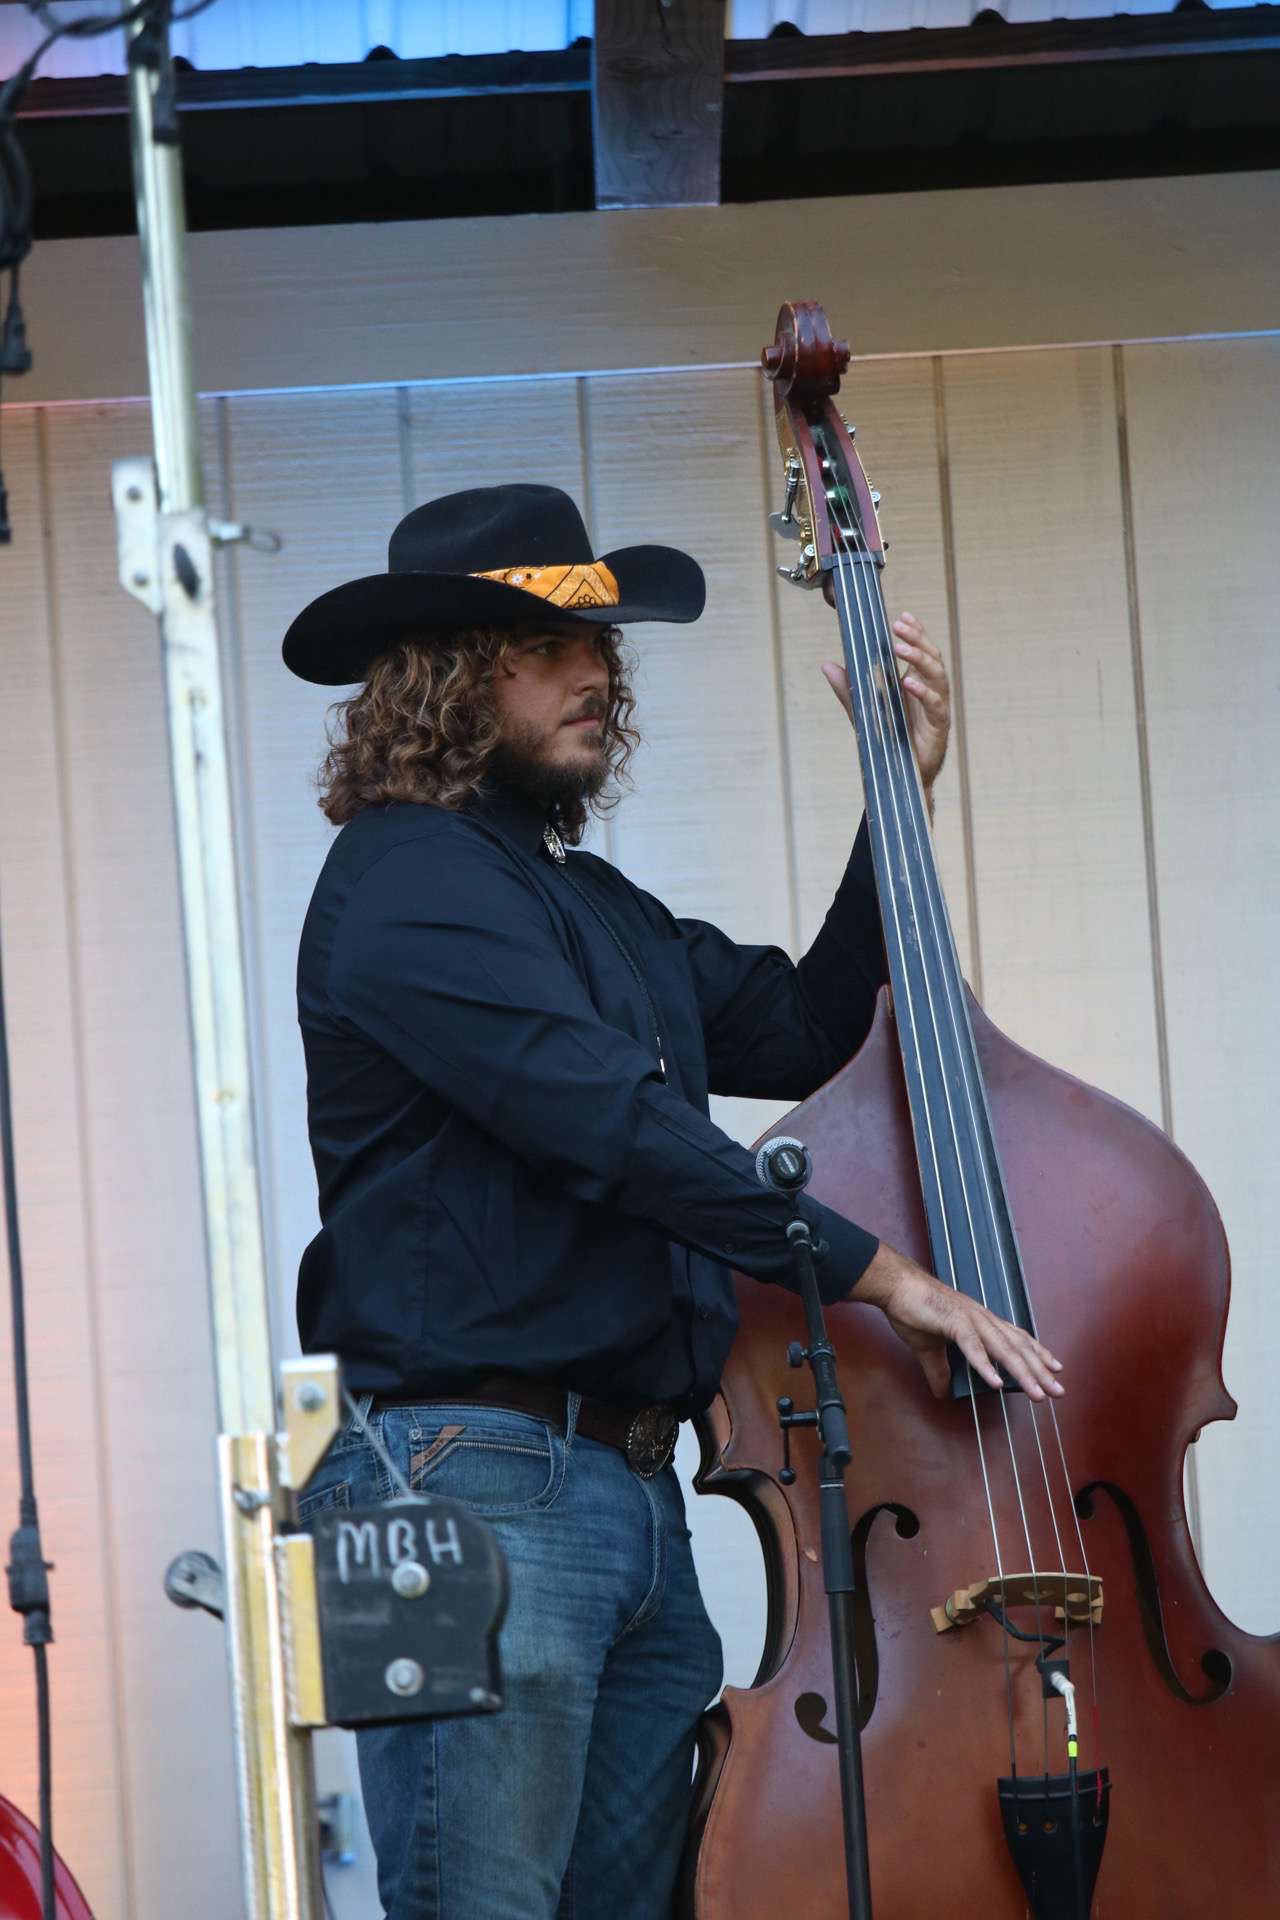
[166, 560]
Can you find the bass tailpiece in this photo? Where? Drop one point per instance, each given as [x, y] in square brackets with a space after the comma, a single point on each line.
[1056, 1828]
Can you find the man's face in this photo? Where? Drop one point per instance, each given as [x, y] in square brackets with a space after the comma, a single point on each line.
[551, 696]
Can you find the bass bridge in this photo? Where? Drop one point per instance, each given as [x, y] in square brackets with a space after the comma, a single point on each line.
[1076, 1599]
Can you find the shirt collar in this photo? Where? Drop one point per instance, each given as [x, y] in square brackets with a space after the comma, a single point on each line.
[514, 814]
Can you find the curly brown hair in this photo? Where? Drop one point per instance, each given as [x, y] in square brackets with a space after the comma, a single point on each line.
[424, 728]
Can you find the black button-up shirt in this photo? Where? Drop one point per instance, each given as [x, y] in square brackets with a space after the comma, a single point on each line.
[508, 1063]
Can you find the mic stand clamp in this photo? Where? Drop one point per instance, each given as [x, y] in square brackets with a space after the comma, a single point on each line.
[831, 1419]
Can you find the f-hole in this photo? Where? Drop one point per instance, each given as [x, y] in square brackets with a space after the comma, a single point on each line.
[865, 1654]
[1214, 1664]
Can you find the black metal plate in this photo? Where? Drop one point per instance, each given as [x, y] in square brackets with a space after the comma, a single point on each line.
[369, 1623]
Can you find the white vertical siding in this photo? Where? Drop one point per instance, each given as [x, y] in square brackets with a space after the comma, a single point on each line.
[1202, 423]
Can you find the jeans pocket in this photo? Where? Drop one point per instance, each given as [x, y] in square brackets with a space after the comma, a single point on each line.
[319, 1499]
[349, 1475]
[493, 1461]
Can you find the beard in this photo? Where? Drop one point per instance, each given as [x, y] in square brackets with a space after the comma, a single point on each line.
[518, 761]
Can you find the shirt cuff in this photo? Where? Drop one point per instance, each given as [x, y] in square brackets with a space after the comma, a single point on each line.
[850, 1250]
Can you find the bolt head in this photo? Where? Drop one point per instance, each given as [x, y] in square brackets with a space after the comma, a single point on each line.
[405, 1677]
[410, 1580]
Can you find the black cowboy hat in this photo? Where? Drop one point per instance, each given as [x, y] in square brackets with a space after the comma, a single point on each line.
[533, 537]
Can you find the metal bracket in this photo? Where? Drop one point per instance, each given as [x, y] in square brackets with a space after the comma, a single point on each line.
[311, 1404]
[133, 493]
[144, 534]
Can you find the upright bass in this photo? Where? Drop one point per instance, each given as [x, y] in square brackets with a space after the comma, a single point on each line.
[997, 1543]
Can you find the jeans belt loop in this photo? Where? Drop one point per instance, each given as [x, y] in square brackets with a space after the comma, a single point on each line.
[573, 1402]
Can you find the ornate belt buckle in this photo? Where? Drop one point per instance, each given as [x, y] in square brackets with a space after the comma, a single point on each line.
[651, 1440]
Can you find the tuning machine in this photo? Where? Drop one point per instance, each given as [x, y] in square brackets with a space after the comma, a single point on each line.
[803, 573]
[785, 524]
[793, 487]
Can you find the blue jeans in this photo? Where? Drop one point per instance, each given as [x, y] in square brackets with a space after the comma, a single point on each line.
[571, 1803]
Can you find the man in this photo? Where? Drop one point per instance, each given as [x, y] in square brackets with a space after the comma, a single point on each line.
[528, 1218]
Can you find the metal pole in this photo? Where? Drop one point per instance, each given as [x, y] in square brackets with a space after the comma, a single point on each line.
[166, 560]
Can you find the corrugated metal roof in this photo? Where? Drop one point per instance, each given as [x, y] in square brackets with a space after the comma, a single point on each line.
[755, 19]
[287, 33]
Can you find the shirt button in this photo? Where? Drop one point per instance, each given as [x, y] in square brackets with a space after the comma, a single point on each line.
[731, 1246]
[704, 1313]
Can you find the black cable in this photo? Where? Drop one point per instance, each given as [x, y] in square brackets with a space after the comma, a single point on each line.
[1046, 1642]
[28, 1570]
[44, 1747]
[88, 25]
[16, 198]
[15, 178]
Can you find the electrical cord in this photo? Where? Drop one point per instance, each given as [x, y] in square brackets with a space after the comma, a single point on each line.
[15, 176]
[28, 1570]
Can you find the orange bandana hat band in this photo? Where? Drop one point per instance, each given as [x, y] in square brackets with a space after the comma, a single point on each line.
[588, 585]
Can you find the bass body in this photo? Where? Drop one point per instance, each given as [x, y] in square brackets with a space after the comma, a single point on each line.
[1058, 1723]
[1129, 1257]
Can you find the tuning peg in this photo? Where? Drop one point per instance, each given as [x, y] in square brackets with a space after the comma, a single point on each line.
[793, 484]
[875, 497]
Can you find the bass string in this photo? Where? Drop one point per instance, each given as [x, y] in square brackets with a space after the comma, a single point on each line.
[967, 1059]
[968, 1064]
[877, 822]
[944, 1215]
[889, 673]
[877, 625]
[875, 631]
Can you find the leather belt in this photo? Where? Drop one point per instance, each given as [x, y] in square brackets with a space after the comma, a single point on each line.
[646, 1435]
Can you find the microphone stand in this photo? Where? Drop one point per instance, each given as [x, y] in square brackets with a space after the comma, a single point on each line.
[785, 1165]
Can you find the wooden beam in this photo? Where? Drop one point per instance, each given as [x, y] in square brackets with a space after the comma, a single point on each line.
[657, 90]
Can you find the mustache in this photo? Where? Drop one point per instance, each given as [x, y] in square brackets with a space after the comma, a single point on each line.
[593, 709]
